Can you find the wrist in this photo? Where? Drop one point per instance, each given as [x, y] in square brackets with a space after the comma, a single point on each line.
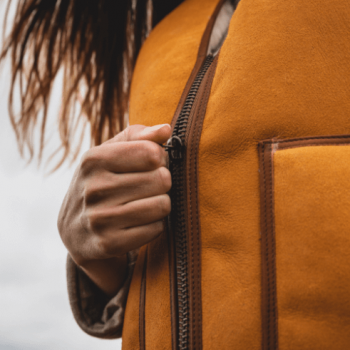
[108, 274]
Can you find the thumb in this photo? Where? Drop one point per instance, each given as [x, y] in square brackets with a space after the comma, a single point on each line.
[158, 133]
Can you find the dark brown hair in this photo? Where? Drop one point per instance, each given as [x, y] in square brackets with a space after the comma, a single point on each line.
[96, 42]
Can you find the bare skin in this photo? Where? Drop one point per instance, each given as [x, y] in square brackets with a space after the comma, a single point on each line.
[116, 202]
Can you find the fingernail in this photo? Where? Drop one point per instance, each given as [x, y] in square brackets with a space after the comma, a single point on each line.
[153, 128]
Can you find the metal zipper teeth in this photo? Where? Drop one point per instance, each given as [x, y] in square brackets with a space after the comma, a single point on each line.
[182, 121]
[178, 217]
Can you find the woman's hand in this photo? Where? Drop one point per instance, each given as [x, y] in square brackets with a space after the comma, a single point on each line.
[116, 202]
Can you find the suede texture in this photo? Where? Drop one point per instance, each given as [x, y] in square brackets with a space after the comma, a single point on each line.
[158, 313]
[163, 67]
[132, 309]
[166, 61]
[283, 72]
[312, 201]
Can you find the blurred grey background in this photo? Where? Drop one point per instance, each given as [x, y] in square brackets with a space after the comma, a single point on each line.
[34, 308]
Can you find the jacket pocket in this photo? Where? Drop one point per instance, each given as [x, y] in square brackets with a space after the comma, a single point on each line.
[305, 242]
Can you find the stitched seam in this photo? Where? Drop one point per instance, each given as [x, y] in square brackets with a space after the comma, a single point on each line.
[203, 103]
[195, 142]
[142, 304]
[199, 121]
[192, 263]
[171, 272]
[195, 261]
[309, 138]
[269, 290]
[315, 144]
[202, 53]
[272, 257]
[266, 335]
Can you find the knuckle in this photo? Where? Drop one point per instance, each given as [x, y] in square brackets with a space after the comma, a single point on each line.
[158, 228]
[92, 193]
[89, 195]
[164, 205]
[126, 134]
[164, 178]
[90, 161]
[94, 219]
[105, 246]
[152, 155]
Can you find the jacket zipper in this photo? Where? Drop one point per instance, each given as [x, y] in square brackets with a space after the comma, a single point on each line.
[176, 147]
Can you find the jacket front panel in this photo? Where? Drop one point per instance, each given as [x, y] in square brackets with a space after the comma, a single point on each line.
[283, 72]
[161, 73]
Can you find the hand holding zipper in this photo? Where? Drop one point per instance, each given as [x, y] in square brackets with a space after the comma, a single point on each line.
[116, 203]
[174, 147]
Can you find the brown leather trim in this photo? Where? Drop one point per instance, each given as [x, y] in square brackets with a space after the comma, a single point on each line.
[203, 48]
[172, 277]
[268, 249]
[193, 214]
[308, 141]
[142, 322]
[267, 149]
[202, 53]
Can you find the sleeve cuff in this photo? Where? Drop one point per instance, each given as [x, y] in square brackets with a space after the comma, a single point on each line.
[95, 313]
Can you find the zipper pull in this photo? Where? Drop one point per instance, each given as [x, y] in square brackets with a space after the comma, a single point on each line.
[174, 147]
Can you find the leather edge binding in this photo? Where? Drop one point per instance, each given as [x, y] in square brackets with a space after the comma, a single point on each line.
[142, 307]
[202, 51]
[193, 224]
[309, 141]
[203, 47]
[172, 278]
[266, 149]
[268, 249]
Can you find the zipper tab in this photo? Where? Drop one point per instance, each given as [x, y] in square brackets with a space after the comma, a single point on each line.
[175, 148]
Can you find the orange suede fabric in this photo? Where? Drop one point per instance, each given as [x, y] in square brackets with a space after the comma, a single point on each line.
[163, 67]
[166, 61]
[312, 201]
[283, 71]
[158, 315]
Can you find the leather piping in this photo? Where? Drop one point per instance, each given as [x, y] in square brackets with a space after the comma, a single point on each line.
[172, 278]
[267, 148]
[142, 323]
[268, 250]
[193, 214]
[202, 51]
[307, 141]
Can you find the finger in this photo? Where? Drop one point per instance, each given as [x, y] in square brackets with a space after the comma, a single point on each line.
[144, 211]
[125, 157]
[126, 240]
[158, 133]
[136, 237]
[133, 214]
[113, 190]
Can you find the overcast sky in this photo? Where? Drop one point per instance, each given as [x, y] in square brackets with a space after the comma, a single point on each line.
[34, 309]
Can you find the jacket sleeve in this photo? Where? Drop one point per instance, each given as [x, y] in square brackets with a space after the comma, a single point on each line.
[95, 313]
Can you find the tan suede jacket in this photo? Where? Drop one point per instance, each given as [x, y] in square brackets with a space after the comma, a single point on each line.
[257, 251]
